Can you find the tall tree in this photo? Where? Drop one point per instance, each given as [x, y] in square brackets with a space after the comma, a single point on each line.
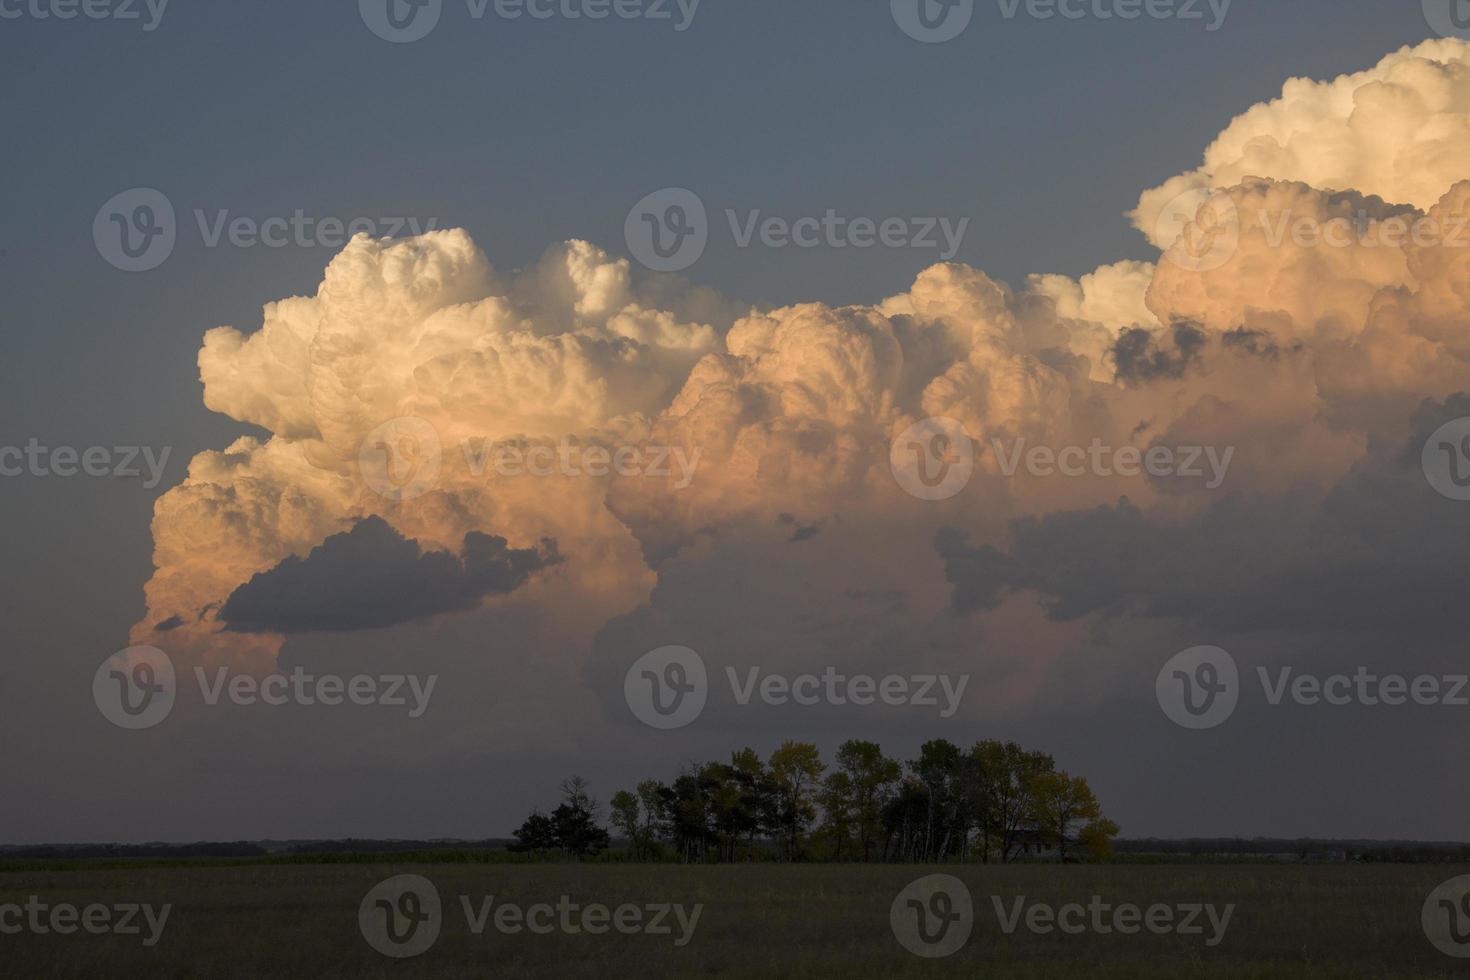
[868, 782]
[795, 769]
[1012, 770]
[1058, 803]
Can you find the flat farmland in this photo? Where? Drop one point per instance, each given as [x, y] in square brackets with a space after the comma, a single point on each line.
[755, 920]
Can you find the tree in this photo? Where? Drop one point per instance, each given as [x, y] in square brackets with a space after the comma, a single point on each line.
[537, 834]
[576, 820]
[795, 769]
[571, 827]
[1058, 802]
[757, 814]
[1011, 770]
[1097, 838]
[866, 782]
[627, 818]
[937, 768]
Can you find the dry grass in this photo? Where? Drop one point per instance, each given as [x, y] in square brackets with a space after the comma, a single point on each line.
[764, 921]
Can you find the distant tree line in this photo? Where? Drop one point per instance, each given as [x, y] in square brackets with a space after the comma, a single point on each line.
[994, 801]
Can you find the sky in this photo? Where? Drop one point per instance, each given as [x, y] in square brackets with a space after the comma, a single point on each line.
[772, 519]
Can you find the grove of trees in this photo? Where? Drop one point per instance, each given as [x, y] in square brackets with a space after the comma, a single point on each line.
[993, 801]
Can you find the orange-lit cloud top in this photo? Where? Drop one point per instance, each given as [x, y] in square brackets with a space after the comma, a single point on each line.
[1300, 355]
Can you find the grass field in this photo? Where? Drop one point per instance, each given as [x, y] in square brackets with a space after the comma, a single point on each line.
[301, 920]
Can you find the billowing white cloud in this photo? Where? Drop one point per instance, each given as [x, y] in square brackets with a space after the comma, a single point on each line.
[1400, 131]
[1301, 357]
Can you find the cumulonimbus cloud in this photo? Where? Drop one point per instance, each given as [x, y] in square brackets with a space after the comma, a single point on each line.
[1312, 362]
